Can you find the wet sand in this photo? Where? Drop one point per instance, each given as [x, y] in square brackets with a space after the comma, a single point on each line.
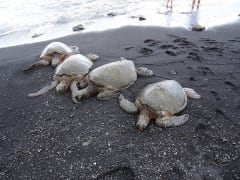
[50, 137]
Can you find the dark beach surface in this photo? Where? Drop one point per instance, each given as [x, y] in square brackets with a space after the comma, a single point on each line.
[50, 137]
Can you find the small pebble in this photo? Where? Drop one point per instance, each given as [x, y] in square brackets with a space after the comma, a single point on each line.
[78, 27]
[141, 18]
[173, 72]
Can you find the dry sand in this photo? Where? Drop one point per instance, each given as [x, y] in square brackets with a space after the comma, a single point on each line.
[50, 137]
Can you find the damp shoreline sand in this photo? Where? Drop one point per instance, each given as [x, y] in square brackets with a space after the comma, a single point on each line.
[51, 137]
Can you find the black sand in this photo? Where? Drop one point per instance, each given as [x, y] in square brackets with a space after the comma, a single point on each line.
[50, 137]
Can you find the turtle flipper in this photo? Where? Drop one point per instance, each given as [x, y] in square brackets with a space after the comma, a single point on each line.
[143, 119]
[143, 71]
[75, 49]
[106, 94]
[125, 104]
[38, 63]
[92, 57]
[170, 121]
[77, 95]
[191, 93]
[44, 89]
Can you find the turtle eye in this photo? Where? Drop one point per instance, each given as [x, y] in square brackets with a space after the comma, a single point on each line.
[78, 85]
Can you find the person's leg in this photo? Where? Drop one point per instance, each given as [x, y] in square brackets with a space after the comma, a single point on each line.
[193, 4]
[198, 4]
[167, 3]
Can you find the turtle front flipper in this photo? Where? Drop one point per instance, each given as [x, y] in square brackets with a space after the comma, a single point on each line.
[77, 95]
[170, 121]
[191, 93]
[127, 105]
[143, 71]
[143, 119]
[44, 89]
[41, 62]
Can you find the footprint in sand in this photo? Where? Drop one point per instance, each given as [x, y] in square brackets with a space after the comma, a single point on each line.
[215, 95]
[183, 42]
[192, 79]
[204, 71]
[213, 49]
[201, 127]
[128, 48]
[146, 51]
[232, 85]
[194, 56]
[167, 46]
[171, 53]
[151, 42]
[221, 113]
[209, 41]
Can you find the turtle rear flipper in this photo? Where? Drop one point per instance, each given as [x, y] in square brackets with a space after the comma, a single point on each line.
[75, 49]
[44, 89]
[143, 71]
[191, 93]
[170, 121]
[92, 57]
[127, 105]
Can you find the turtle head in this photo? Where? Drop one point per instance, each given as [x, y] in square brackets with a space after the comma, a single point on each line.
[55, 61]
[77, 99]
[62, 86]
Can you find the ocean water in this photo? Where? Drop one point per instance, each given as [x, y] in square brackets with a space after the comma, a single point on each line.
[28, 21]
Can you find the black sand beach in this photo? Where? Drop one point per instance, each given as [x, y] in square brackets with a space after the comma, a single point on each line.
[50, 137]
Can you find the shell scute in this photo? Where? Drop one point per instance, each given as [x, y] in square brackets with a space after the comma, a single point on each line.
[74, 65]
[166, 95]
[117, 75]
[56, 47]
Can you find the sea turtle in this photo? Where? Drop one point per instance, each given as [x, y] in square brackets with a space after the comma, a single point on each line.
[75, 67]
[54, 53]
[108, 79]
[160, 101]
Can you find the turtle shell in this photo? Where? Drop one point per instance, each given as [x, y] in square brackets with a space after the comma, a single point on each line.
[74, 65]
[56, 47]
[116, 75]
[167, 95]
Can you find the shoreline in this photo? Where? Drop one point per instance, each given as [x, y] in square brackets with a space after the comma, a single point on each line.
[168, 19]
[56, 138]
[208, 30]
